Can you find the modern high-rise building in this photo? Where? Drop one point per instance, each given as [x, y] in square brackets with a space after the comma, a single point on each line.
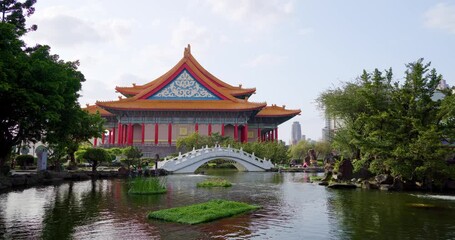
[296, 133]
[331, 126]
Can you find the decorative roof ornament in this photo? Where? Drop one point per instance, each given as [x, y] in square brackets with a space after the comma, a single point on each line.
[187, 51]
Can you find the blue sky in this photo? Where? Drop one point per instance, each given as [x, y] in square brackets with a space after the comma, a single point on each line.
[289, 50]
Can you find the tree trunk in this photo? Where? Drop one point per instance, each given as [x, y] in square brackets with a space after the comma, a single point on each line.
[5, 153]
[94, 165]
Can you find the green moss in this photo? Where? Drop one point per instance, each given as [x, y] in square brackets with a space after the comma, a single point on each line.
[202, 212]
[316, 178]
[214, 182]
[151, 185]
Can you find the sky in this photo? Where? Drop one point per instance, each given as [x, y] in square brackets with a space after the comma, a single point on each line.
[289, 50]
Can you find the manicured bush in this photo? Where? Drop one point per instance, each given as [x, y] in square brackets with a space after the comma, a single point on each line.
[214, 182]
[202, 212]
[151, 185]
[25, 160]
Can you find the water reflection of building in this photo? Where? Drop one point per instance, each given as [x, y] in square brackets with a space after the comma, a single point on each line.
[185, 100]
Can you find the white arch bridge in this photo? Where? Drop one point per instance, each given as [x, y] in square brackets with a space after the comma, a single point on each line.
[190, 161]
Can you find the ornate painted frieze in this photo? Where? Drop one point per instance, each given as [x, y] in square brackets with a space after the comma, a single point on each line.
[184, 87]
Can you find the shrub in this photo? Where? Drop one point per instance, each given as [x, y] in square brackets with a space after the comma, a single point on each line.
[214, 182]
[25, 160]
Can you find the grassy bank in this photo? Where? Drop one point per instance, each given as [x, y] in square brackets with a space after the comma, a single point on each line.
[202, 212]
[151, 185]
[214, 182]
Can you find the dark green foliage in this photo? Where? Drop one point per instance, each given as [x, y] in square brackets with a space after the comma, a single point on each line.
[203, 212]
[214, 182]
[14, 12]
[132, 155]
[275, 151]
[25, 160]
[395, 128]
[144, 186]
[41, 91]
[96, 155]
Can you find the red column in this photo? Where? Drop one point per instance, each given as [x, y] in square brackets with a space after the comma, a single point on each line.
[130, 134]
[272, 136]
[210, 129]
[156, 133]
[259, 134]
[120, 131]
[236, 132]
[276, 134]
[143, 133]
[196, 127]
[110, 137]
[169, 133]
[245, 133]
[125, 134]
[95, 142]
[222, 129]
[103, 137]
[113, 136]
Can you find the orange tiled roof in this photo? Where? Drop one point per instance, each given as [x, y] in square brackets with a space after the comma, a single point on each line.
[189, 60]
[276, 111]
[191, 105]
[93, 109]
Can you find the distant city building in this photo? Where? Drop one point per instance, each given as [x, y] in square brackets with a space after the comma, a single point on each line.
[303, 138]
[443, 85]
[332, 124]
[296, 133]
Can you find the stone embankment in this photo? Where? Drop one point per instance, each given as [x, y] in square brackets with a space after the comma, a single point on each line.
[20, 180]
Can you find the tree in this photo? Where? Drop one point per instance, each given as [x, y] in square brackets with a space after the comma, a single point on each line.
[38, 87]
[395, 128]
[12, 11]
[95, 156]
[132, 154]
[300, 150]
[73, 128]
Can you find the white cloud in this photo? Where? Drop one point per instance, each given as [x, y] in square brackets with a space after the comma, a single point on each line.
[259, 14]
[265, 60]
[61, 26]
[441, 16]
[188, 32]
[66, 31]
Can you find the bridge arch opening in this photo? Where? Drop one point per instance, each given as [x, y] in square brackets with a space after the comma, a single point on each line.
[220, 164]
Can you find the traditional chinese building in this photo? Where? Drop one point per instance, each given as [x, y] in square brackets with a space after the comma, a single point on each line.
[185, 100]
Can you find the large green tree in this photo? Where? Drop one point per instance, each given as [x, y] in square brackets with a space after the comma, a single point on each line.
[38, 91]
[396, 128]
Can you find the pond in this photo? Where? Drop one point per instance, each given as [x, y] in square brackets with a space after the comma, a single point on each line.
[292, 208]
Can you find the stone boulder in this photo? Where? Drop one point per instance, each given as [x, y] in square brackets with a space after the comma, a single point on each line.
[384, 179]
[345, 170]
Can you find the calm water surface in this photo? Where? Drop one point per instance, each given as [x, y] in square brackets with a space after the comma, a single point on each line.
[292, 208]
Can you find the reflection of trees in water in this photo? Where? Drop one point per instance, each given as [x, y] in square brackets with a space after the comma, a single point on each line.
[69, 212]
[2, 220]
[381, 215]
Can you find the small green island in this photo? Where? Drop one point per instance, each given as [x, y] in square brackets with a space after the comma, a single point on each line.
[202, 212]
[144, 186]
[214, 182]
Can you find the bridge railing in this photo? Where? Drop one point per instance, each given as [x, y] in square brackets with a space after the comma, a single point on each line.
[183, 158]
